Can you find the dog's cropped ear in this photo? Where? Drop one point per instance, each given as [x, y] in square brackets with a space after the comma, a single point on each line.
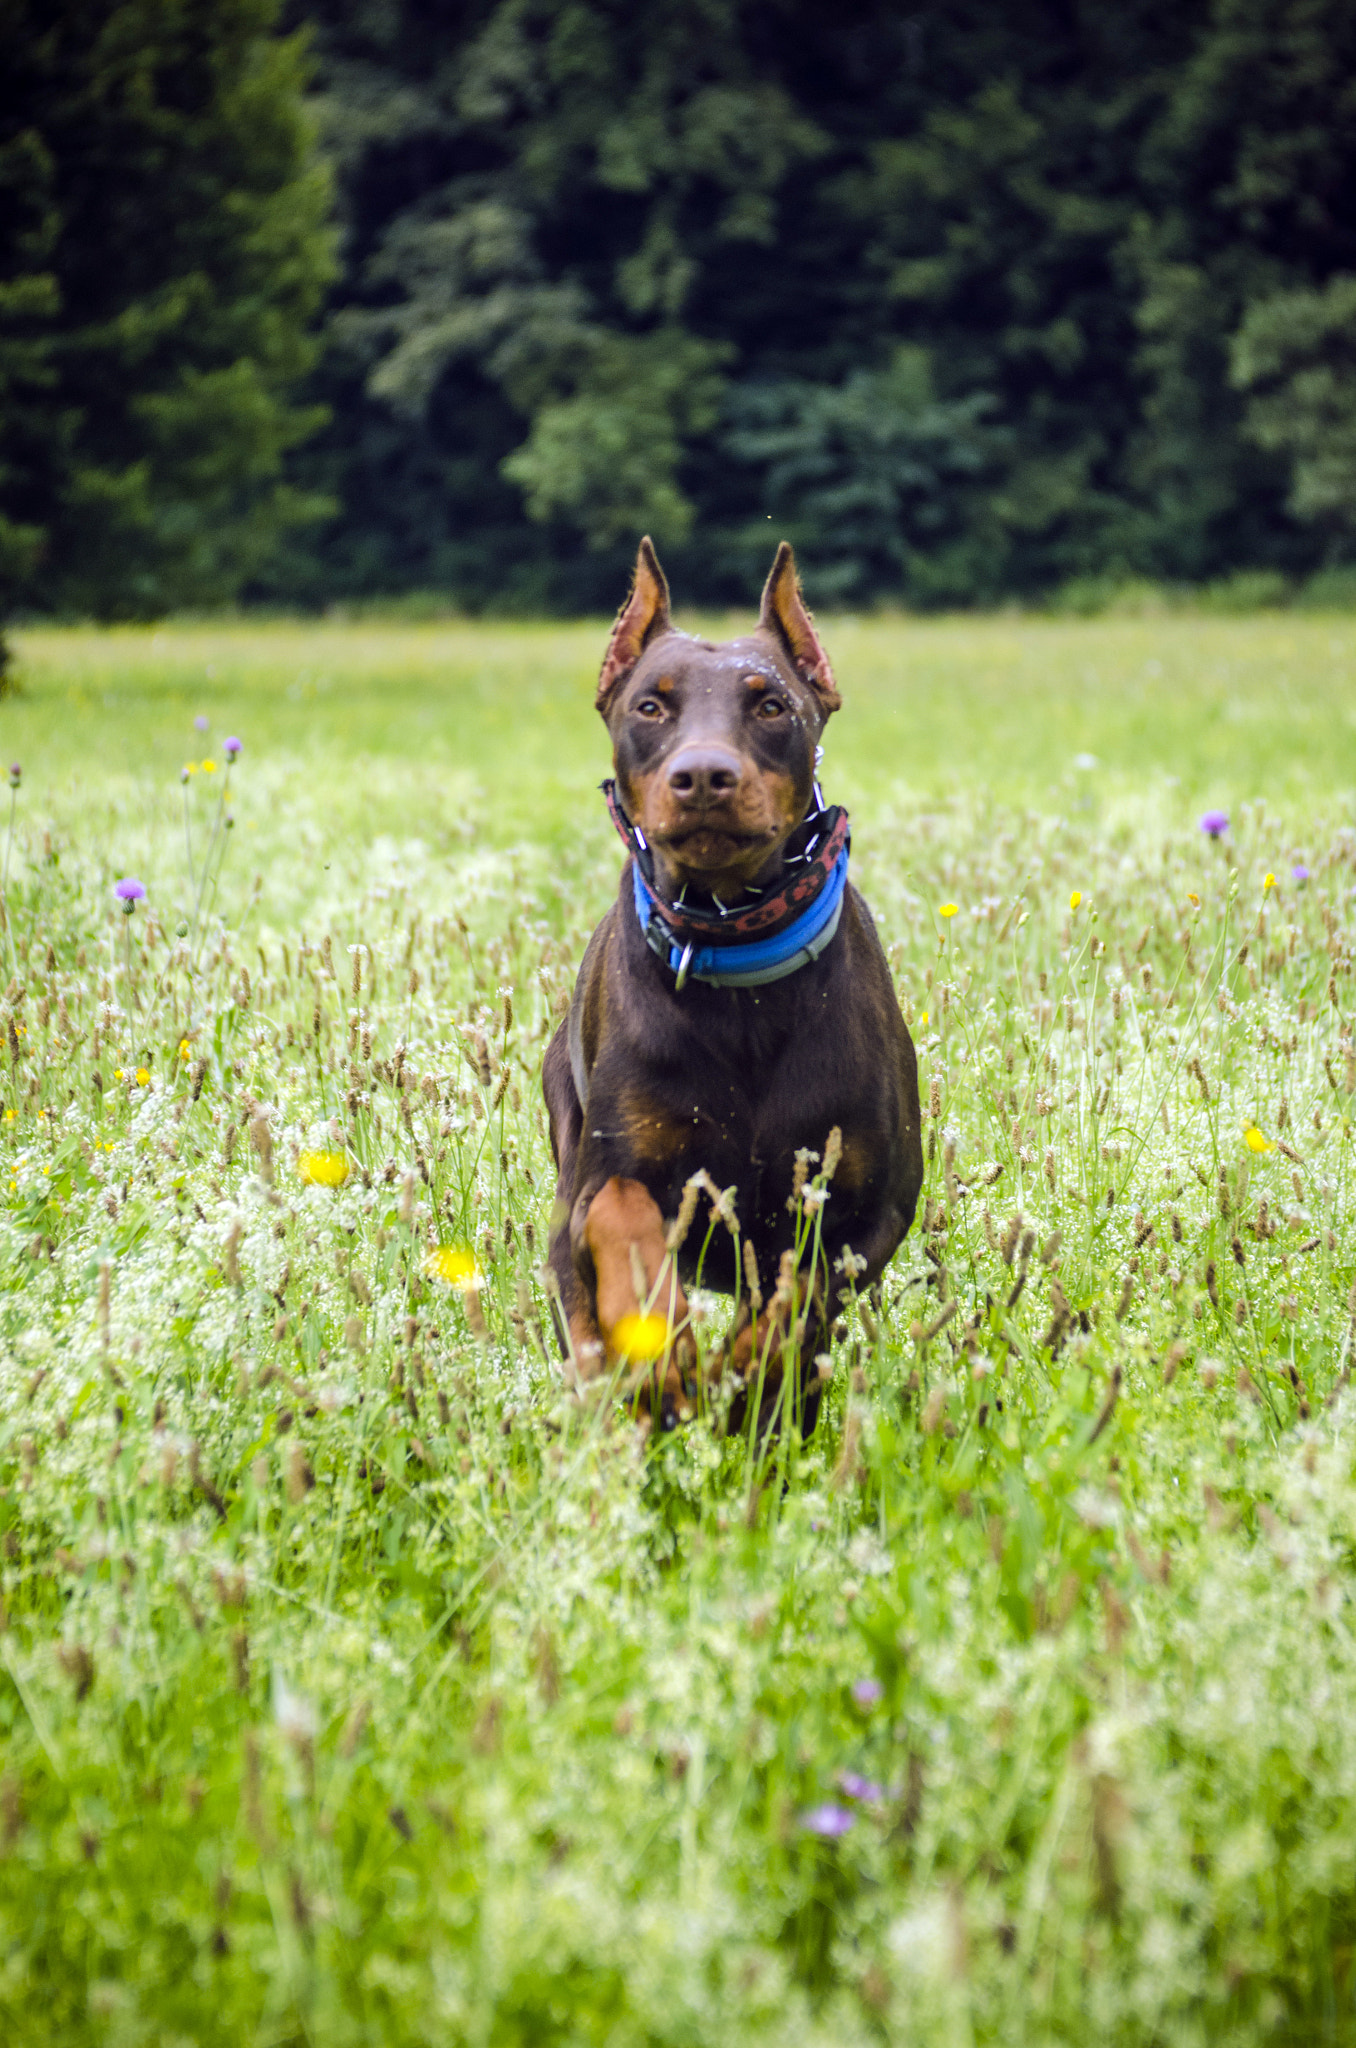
[783, 612]
[644, 615]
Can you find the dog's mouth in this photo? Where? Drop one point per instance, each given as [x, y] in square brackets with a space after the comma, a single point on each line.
[709, 846]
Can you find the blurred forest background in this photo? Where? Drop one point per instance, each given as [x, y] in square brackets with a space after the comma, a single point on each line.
[316, 301]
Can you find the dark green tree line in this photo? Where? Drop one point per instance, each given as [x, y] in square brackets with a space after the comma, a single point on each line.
[967, 301]
[164, 249]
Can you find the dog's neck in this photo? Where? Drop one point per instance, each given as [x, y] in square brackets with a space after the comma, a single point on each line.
[761, 937]
[685, 892]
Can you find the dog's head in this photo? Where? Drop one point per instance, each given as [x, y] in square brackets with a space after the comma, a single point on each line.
[714, 745]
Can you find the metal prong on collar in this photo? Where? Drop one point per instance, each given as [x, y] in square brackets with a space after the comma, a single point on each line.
[819, 794]
[683, 965]
[641, 840]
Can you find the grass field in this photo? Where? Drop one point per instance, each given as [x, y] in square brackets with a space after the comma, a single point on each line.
[358, 1684]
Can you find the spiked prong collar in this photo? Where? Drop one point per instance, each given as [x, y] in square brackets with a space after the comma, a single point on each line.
[758, 940]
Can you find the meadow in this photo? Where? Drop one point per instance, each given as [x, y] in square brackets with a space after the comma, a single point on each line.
[360, 1682]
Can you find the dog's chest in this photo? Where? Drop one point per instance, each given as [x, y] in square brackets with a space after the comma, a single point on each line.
[747, 1081]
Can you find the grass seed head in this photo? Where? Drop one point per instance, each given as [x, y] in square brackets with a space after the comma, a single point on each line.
[751, 1276]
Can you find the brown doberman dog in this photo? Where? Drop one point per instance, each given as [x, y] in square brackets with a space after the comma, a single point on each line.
[733, 1007]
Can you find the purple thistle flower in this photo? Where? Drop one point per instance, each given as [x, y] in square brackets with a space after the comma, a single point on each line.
[868, 1692]
[1215, 823]
[201, 722]
[828, 1820]
[129, 891]
[232, 747]
[855, 1786]
[1300, 872]
[15, 771]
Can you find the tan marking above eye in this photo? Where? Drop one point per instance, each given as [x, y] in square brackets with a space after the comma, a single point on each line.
[664, 686]
[756, 682]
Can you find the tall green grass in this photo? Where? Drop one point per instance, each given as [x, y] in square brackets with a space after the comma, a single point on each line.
[357, 1683]
[1256, 706]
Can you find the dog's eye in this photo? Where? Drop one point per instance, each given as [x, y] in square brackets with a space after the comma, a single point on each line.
[771, 707]
[649, 707]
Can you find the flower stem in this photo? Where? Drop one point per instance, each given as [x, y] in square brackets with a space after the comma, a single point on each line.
[4, 885]
[207, 871]
[188, 844]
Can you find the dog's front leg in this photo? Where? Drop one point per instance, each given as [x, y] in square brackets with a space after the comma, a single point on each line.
[617, 1233]
[578, 1330]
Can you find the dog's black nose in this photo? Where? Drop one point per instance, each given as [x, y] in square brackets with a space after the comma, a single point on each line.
[699, 774]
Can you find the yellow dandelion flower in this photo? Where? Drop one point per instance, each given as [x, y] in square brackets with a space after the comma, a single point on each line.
[922, 1016]
[1075, 899]
[117, 1073]
[948, 910]
[454, 1264]
[143, 1076]
[1193, 899]
[1255, 1141]
[183, 1048]
[9, 1116]
[640, 1336]
[209, 767]
[1268, 881]
[323, 1169]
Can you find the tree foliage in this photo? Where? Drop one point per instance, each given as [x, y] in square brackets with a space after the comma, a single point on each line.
[163, 253]
[1296, 353]
[971, 300]
[960, 298]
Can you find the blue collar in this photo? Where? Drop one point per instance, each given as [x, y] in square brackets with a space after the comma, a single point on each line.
[745, 944]
[754, 962]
